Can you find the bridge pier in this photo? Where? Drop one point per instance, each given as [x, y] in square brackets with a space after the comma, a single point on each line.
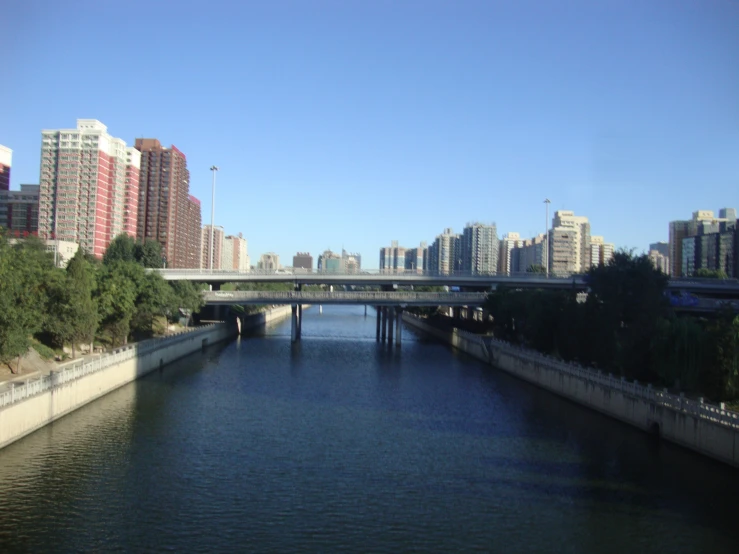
[300, 321]
[391, 314]
[398, 320]
[379, 321]
[294, 334]
[383, 323]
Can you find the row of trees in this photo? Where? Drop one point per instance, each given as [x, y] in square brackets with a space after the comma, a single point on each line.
[625, 326]
[109, 301]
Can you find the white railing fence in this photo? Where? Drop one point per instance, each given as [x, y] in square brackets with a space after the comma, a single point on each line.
[74, 370]
[704, 410]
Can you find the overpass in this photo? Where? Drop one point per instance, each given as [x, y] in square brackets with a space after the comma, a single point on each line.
[390, 304]
[722, 287]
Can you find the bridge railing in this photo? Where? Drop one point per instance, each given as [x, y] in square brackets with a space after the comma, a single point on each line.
[364, 272]
[71, 371]
[360, 296]
[715, 413]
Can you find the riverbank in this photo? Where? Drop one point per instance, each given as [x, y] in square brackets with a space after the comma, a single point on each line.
[31, 403]
[710, 430]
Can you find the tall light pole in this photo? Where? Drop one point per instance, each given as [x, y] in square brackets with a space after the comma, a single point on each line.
[213, 168]
[546, 239]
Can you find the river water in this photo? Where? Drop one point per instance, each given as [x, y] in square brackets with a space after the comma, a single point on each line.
[340, 444]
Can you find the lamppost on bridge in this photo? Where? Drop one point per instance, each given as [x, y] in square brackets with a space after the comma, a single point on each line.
[546, 239]
[213, 168]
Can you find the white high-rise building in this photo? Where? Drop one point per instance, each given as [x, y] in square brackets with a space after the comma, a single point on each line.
[507, 255]
[235, 254]
[569, 244]
[216, 241]
[601, 252]
[445, 254]
[88, 186]
[480, 249]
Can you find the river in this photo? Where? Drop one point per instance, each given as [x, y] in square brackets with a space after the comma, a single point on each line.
[341, 444]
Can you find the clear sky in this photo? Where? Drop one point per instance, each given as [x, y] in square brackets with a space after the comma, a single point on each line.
[353, 123]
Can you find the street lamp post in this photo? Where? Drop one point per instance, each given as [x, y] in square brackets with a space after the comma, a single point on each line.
[213, 168]
[546, 239]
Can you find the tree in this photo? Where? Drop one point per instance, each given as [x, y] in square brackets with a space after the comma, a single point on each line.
[116, 294]
[154, 298]
[25, 274]
[704, 273]
[121, 249]
[187, 297]
[82, 307]
[149, 253]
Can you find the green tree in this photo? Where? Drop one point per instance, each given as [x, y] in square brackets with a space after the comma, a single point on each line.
[154, 298]
[25, 274]
[187, 296]
[82, 307]
[116, 294]
[121, 249]
[149, 253]
[704, 273]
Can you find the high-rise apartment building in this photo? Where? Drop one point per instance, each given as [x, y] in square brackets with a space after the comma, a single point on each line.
[507, 255]
[601, 252]
[269, 261]
[392, 258]
[88, 186]
[713, 248]
[702, 222]
[194, 241]
[529, 255]
[19, 210]
[235, 253]
[302, 260]
[164, 202]
[351, 262]
[569, 244]
[212, 240]
[445, 254]
[480, 248]
[416, 259]
[6, 159]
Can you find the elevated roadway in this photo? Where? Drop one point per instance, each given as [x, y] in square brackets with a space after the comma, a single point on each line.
[728, 288]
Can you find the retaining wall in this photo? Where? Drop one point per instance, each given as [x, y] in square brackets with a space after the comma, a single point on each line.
[705, 428]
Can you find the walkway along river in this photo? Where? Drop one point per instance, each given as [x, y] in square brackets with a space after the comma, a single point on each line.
[337, 443]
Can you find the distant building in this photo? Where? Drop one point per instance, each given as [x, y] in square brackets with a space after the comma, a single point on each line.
[661, 247]
[703, 222]
[235, 253]
[508, 254]
[601, 252]
[530, 254]
[569, 244]
[392, 258]
[164, 205]
[269, 261]
[193, 234]
[351, 262]
[214, 240]
[329, 262]
[302, 260]
[659, 260]
[6, 158]
[714, 248]
[19, 210]
[445, 254]
[480, 247]
[89, 186]
[62, 250]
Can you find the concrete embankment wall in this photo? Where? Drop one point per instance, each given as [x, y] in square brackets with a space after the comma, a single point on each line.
[29, 406]
[704, 428]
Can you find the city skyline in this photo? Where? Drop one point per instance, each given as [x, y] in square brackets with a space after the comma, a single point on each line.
[622, 112]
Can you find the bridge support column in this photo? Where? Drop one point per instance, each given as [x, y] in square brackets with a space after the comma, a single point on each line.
[379, 320]
[365, 310]
[300, 321]
[390, 320]
[294, 326]
[383, 323]
[398, 320]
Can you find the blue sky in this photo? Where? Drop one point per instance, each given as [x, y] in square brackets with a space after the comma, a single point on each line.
[346, 123]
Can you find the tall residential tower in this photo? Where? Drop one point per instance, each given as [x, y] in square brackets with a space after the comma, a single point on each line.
[88, 186]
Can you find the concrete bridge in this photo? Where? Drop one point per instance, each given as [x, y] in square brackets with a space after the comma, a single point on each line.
[725, 288]
[389, 304]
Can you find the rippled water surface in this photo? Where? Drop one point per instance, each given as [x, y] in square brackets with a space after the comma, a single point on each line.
[341, 444]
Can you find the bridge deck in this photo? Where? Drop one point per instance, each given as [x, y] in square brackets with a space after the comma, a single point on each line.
[347, 297]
